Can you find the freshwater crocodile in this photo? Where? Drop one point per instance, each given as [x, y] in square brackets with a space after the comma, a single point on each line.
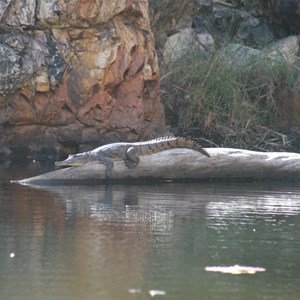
[128, 152]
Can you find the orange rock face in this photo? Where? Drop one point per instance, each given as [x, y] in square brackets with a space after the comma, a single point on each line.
[84, 73]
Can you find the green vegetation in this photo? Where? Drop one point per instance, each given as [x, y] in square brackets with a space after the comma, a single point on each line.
[228, 104]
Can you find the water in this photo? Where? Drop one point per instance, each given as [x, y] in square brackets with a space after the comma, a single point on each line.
[130, 241]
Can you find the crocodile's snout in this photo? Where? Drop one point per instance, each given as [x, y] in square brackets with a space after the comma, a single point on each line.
[76, 160]
[59, 163]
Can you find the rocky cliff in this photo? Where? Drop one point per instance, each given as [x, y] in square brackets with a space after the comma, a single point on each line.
[76, 74]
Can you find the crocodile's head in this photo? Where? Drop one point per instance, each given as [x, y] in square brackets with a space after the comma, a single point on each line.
[76, 160]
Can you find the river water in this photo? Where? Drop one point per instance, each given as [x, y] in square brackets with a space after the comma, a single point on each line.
[148, 241]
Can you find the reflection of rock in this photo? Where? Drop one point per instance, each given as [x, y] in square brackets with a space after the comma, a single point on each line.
[84, 73]
[116, 206]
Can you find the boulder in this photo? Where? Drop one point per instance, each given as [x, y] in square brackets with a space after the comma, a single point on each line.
[282, 51]
[177, 45]
[287, 49]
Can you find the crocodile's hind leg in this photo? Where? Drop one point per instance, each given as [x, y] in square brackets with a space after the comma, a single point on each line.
[132, 159]
[108, 163]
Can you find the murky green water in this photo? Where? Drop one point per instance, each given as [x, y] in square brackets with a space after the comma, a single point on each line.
[124, 241]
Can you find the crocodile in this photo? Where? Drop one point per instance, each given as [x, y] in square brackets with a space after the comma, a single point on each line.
[128, 152]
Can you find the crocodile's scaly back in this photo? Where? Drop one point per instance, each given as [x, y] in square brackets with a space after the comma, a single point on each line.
[117, 151]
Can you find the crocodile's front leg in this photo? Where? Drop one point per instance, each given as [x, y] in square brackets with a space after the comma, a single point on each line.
[108, 162]
[132, 159]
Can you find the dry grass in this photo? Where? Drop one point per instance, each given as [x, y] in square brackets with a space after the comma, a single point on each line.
[232, 107]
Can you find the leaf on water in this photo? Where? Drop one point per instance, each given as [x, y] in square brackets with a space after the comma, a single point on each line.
[236, 269]
[154, 293]
[134, 291]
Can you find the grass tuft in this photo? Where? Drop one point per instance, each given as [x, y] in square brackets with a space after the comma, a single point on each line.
[231, 105]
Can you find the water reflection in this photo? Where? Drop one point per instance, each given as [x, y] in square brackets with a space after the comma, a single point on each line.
[99, 242]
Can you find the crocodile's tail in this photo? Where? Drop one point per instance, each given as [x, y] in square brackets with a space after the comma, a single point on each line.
[168, 142]
[182, 142]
